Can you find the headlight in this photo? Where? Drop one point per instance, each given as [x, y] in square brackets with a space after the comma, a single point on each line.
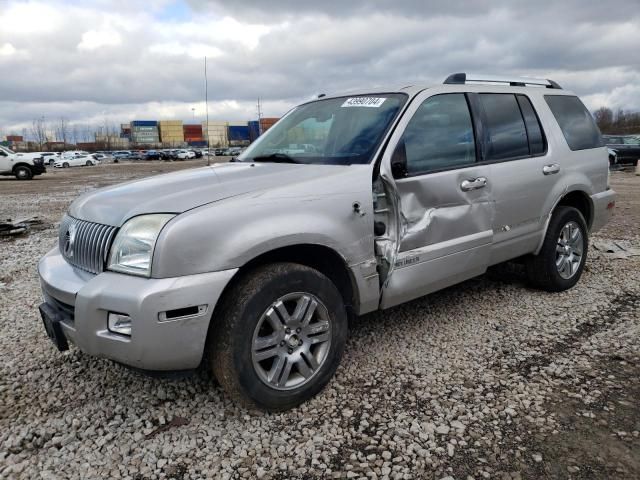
[132, 249]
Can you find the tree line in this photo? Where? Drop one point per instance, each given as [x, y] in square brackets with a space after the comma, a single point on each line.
[619, 122]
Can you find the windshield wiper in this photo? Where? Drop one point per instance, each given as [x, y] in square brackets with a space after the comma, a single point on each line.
[275, 158]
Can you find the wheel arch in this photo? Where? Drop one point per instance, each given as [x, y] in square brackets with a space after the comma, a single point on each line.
[22, 164]
[319, 257]
[577, 199]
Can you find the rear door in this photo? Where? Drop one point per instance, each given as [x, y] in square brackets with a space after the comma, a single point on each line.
[445, 210]
[522, 170]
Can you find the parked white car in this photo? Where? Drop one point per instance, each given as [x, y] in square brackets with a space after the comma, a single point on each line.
[49, 157]
[185, 155]
[75, 161]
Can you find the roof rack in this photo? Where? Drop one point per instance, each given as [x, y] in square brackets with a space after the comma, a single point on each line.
[464, 78]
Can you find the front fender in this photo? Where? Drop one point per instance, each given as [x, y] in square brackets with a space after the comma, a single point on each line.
[230, 233]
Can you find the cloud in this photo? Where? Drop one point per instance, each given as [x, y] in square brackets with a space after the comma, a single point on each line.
[7, 49]
[126, 58]
[94, 39]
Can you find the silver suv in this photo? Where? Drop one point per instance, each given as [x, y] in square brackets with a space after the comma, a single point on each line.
[259, 262]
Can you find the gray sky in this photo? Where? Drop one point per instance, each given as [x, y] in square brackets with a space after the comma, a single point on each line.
[92, 60]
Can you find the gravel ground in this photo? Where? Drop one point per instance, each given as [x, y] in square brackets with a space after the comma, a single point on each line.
[487, 379]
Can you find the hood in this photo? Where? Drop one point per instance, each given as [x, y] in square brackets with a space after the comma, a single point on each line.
[180, 191]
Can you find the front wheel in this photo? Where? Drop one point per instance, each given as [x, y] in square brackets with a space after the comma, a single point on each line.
[279, 336]
[89, 163]
[65, 165]
[561, 260]
[23, 173]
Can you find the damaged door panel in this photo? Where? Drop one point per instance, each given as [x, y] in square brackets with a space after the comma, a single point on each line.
[440, 201]
[445, 234]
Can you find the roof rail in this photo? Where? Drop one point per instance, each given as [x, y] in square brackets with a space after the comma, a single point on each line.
[464, 78]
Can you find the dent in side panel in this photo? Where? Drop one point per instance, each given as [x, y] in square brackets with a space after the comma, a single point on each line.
[437, 210]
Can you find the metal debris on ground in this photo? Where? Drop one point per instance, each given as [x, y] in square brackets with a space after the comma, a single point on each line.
[616, 248]
[19, 227]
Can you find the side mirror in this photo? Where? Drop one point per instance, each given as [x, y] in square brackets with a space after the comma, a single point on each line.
[399, 161]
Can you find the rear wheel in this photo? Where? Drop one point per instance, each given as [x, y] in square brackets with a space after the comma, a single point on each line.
[279, 336]
[23, 173]
[561, 260]
[89, 163]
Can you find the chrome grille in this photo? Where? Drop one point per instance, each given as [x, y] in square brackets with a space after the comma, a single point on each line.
[85, 244]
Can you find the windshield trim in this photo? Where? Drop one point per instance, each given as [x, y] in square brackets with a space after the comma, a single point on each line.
[383, 135]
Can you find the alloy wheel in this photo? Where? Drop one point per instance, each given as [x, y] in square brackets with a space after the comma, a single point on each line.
[291, 341]
[569, 250]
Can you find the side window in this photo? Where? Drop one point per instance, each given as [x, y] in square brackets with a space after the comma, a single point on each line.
[575, 121]
[439, 135]
[505, 126]
[631, 141]
[537, 144]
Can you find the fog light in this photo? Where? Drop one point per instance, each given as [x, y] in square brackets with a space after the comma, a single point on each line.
[120, 323]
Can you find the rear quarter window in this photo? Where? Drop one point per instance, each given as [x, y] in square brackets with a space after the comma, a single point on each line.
[577, 125]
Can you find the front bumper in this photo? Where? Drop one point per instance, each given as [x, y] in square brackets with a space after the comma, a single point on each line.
[81, 302]
[603, 206]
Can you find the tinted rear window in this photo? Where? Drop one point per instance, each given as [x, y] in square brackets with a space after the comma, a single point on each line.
[507, 133]
[575, 121]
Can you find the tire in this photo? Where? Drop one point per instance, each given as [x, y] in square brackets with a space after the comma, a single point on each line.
[23, 173]
[250, 316]
[558, 266]
[612, 160]
[65, 165]
[88, 164]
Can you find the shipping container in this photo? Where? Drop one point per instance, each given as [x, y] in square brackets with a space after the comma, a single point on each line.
[238, 132]
[266, 123]
[254, 130]
[171, 132]
[144, 123]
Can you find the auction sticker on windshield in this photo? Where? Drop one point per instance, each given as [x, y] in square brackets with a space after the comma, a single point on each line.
[363, 102]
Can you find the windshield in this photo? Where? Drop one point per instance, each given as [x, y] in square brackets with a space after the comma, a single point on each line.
[336, 131]
[7, 150]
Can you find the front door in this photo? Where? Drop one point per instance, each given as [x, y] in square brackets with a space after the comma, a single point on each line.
[445, 202]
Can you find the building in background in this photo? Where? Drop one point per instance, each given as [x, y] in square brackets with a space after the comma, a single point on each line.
[215, 132]
[172, 133]
[145, 132]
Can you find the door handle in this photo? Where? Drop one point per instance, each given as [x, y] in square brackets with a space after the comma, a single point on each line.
[551, 169]
[474, 184]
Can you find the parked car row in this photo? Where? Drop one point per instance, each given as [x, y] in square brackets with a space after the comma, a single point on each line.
[623, 149]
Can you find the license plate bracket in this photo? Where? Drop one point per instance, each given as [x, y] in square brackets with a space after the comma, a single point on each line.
[51, 320]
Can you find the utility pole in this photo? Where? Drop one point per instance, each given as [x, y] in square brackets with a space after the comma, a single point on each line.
[259, 118]
[206, 107]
